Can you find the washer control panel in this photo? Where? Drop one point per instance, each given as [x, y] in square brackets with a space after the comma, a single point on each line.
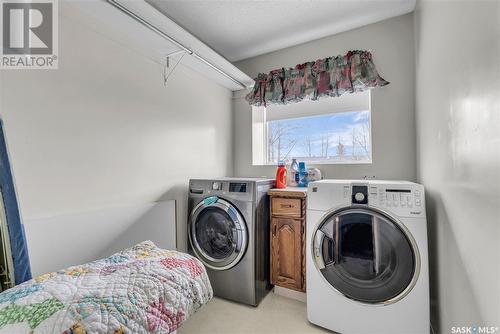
[407, 201]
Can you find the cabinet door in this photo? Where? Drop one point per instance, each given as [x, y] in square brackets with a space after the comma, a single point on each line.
[286, 253]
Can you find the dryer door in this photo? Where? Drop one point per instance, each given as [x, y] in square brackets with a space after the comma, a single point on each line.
[217, 233]
[366, 255]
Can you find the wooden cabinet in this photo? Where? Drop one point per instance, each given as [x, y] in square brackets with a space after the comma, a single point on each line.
[286, 253]
[288, 239]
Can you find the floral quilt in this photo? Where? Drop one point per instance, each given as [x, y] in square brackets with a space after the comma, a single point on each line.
[143, 289]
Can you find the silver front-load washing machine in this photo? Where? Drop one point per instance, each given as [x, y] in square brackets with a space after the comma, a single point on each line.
[228, 230]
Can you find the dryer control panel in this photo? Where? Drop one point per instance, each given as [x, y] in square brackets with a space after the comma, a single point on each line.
[399, 198]
[403, 201]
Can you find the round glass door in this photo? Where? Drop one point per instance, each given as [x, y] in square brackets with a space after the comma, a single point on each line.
[366, 255]
[217, 233]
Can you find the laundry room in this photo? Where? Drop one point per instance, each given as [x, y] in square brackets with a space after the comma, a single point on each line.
[215, 166]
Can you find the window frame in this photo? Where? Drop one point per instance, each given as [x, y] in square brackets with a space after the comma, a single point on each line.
[260, 139]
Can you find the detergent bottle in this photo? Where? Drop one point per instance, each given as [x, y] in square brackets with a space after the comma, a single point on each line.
[293, 174]
[302, 174]
[281, 175]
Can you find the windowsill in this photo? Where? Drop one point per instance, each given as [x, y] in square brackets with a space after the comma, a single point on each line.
[309, 163]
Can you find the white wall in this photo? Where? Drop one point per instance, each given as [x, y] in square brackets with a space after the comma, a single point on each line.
[118, 227]
[458, 137]
[393, 118]
[103, 130]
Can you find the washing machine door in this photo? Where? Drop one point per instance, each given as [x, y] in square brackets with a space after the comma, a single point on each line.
[366, 255]
[217, 233]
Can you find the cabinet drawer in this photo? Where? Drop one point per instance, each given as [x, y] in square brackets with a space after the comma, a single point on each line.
[290, 207]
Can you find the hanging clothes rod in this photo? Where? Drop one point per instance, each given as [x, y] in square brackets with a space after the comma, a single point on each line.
[173, 41]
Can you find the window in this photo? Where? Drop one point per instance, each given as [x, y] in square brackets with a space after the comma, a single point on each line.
[329, 131]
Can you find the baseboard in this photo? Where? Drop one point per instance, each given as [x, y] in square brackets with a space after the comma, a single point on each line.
[292, 294]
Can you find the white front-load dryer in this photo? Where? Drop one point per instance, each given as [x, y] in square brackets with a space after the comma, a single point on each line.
[367, 262]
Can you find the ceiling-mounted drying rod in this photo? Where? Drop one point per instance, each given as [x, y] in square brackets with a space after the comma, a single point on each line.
[173, 40]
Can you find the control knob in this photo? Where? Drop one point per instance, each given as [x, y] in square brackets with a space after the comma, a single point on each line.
[359, 197]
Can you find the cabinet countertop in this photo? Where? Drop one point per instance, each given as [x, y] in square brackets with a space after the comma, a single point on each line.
[288, 192]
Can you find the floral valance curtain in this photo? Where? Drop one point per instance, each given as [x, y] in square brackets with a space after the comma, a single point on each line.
[333, 76]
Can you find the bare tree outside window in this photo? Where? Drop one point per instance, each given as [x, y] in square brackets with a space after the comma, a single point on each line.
[325, 144]
[361, 137]
[308, 145]
[281, 140]
[340, 149]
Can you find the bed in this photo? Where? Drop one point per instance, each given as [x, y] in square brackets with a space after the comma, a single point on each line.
[142, 289]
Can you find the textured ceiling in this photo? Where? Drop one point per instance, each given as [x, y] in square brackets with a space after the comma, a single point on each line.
[242, 29]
